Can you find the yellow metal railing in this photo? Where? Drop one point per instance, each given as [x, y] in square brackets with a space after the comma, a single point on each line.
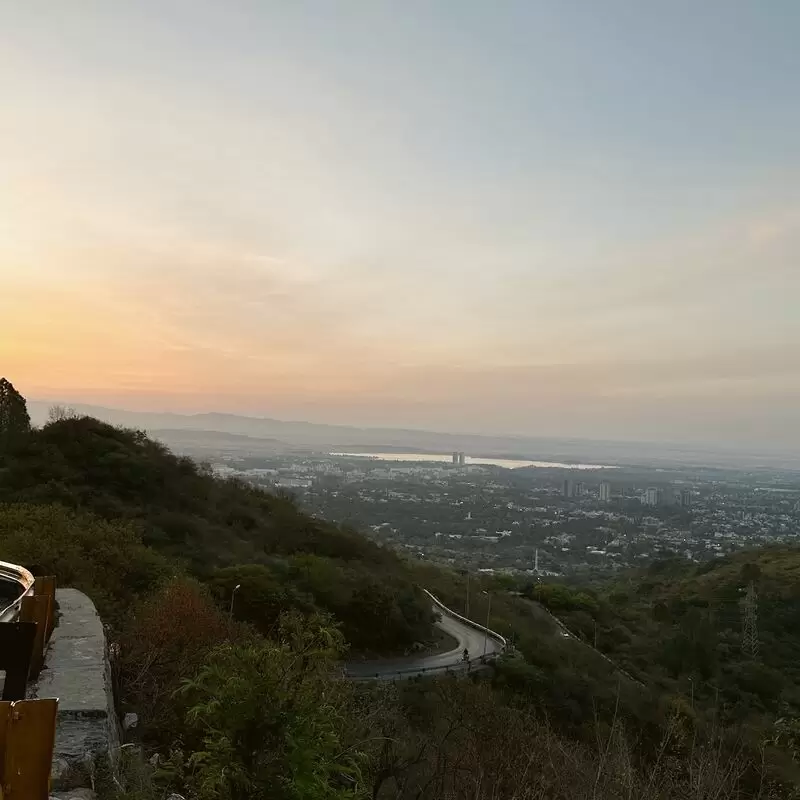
[27, 727]
[27, 736]
[19, 576]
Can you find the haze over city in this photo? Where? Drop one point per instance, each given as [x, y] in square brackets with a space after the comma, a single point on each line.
[399, 400]
[550, 219]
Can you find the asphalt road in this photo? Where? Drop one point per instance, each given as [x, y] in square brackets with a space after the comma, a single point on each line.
[466, 636]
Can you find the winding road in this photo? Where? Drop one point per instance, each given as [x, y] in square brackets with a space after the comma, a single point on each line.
[468, 635]
[482, 645]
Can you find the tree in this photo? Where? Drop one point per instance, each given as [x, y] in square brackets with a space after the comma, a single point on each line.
[271, 718]
[263, 594]
[14, 419]
[58, 412]
[167, 638]
[107, 560]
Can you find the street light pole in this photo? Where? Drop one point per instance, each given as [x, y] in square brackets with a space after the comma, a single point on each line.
[486, 632]
[233, 597]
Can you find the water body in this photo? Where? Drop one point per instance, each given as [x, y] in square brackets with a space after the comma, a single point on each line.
[446, 458]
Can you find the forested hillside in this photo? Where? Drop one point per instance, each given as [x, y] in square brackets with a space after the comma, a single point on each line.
[251, 704]
[679, 627]
[208, 527]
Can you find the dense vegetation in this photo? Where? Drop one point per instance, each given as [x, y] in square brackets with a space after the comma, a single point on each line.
[678, 627]
[251, 705]
[210, 528]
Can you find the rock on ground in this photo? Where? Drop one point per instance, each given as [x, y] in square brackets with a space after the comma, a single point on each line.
[75, 794]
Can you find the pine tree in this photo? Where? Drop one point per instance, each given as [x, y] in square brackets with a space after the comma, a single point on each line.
[14, 419]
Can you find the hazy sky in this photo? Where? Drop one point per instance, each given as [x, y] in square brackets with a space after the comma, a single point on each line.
[567, 217]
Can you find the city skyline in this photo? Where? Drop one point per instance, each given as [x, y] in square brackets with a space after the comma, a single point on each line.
[538, 220]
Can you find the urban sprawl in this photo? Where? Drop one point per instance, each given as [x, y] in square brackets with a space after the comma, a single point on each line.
[534, 520]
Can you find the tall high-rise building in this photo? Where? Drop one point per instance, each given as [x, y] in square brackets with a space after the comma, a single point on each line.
[605, 491]
[651, 496]
[686, 498]
[455, 458]
[568, 488]
[580, 489]
[462, 459]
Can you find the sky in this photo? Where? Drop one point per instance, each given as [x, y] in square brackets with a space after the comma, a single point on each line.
[552, 218]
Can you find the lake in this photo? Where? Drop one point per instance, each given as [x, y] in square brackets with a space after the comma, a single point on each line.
[447, 458]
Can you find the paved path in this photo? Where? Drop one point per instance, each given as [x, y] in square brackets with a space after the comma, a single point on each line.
[466, 636]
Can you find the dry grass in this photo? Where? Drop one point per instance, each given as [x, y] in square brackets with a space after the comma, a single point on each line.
[479, 750]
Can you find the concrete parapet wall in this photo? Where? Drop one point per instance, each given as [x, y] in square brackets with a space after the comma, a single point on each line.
[78, 673]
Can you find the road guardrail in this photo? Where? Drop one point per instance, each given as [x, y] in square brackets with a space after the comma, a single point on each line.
[26, 623]
[496, 636]
[11, 573]
[27, 727]
[457, 666]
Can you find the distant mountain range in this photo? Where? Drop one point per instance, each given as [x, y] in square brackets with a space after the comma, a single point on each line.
[235, 433]
[204, 443]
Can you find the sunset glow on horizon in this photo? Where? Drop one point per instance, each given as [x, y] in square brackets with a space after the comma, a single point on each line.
[541, 218]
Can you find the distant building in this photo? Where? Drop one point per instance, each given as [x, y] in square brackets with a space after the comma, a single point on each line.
[605, 491]
[669, 497]
[651, 497]
[462, 459]
[686, 498]
[293, 483]
[580, 489]
[568, 488]
[455, 458]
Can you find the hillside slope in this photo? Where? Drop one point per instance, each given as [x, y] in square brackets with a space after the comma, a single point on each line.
[678, 627]
[211, 527]
[162, 545]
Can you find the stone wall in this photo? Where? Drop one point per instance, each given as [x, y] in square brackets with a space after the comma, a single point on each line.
[78, 673]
